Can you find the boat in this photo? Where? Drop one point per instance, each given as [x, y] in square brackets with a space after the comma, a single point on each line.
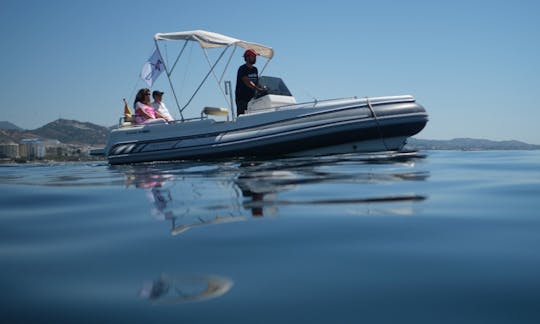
[274, 125]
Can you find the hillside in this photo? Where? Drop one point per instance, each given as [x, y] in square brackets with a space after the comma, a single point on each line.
[73, 132]
[8, 136]
[66, 131]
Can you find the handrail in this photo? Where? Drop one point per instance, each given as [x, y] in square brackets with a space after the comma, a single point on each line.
[378, 124]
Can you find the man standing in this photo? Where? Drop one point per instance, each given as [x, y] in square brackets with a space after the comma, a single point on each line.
[247, 81]
[159, 106]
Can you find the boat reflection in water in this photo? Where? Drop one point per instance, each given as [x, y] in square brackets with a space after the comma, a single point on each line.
[260, 188]
[192, 195]
[183, 212]
[176, 289]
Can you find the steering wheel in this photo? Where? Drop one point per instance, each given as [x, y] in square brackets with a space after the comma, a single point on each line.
[261, 93]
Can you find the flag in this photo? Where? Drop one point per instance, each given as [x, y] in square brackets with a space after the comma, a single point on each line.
[152, 68]
[127, 112]
[128, 117]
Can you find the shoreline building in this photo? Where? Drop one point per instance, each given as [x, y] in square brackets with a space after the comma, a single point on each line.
[32, 148]
[9, 150]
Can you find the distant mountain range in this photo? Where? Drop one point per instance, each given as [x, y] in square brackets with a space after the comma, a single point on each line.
[469, 144]
[75, 132]
[9, 126]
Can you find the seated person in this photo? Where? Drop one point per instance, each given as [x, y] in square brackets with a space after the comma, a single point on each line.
[144, 112]
[159, 107]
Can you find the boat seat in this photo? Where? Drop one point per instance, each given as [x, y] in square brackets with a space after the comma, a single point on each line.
[156, 121]
[126, 121]
[215, 111]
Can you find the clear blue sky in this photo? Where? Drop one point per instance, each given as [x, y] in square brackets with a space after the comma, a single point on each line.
[474, 65]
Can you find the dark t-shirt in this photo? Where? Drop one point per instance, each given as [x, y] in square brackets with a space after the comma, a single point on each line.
[243, 92]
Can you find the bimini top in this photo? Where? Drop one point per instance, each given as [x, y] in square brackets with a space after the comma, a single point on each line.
[211, 40]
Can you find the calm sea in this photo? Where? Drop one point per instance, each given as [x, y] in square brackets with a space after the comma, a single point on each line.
[429, 237]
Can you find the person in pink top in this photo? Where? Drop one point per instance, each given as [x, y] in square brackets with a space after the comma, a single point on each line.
[144, 112]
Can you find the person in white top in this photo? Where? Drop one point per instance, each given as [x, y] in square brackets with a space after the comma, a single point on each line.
[159, 106]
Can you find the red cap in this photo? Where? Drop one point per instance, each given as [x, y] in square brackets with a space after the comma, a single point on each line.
[250, 52]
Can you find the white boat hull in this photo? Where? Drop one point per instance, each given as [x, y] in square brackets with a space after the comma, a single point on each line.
[330, 127]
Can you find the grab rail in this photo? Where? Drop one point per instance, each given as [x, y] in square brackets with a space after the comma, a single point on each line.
[377, 122]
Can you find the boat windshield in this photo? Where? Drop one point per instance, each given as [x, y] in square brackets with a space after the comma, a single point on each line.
[274, 85]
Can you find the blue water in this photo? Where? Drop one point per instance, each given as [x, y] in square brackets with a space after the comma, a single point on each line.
[430, 237]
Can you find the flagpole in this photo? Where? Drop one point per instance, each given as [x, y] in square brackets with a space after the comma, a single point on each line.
[170, 82]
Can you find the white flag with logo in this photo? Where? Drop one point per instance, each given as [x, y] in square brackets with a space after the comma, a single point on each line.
[152, 68]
